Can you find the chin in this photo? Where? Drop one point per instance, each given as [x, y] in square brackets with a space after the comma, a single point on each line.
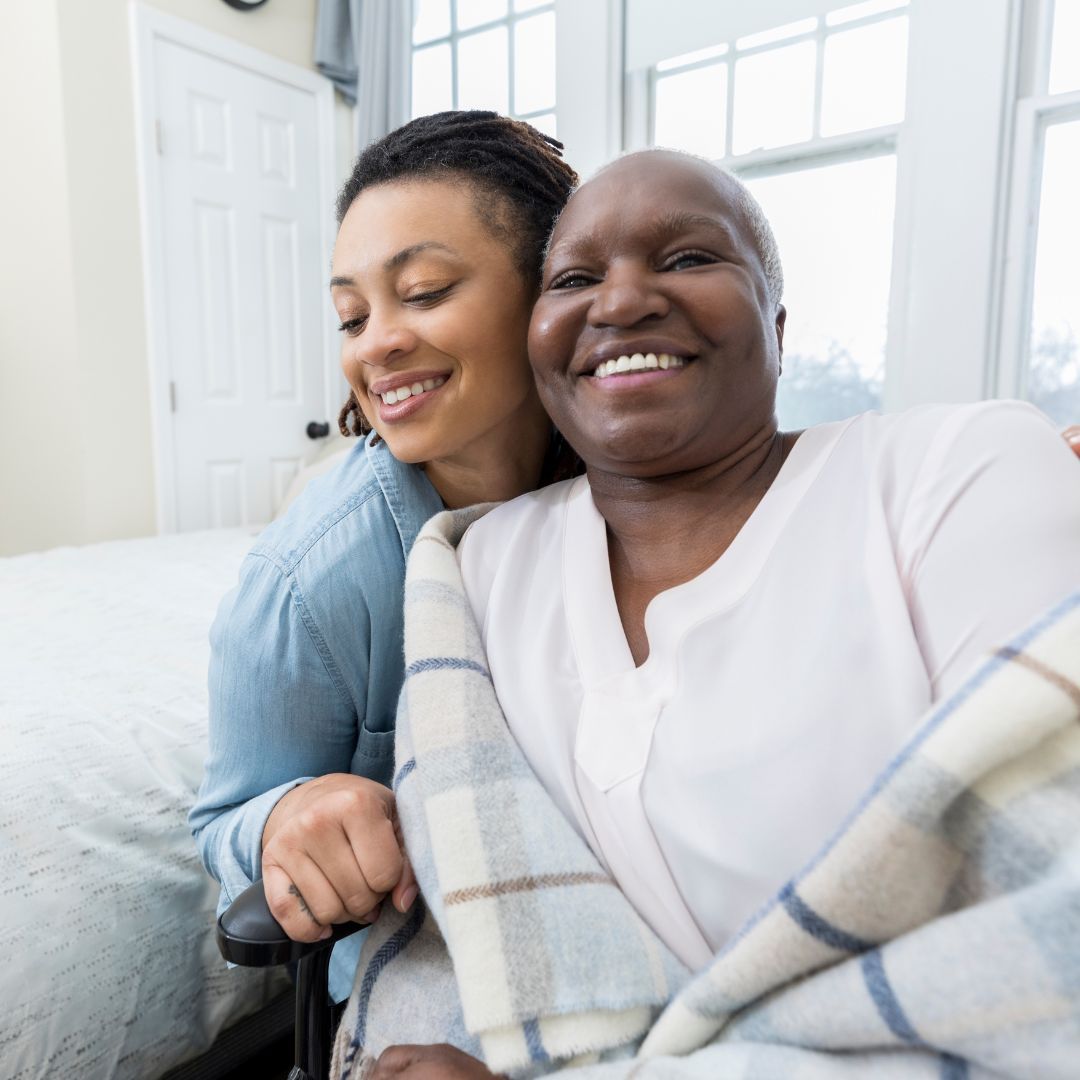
[414, 449]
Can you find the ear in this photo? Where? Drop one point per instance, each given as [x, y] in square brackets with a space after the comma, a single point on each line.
[781, 319]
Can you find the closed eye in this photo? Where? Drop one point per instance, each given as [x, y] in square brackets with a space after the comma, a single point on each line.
[429, 297]
[352, 327]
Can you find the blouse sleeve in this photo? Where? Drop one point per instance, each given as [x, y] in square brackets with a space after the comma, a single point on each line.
[278, 717]
[991, 539]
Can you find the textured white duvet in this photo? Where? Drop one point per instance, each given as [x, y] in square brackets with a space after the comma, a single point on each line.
[108, 966]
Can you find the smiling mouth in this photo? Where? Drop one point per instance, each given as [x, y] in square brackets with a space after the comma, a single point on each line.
[635, 362]
[403, 393]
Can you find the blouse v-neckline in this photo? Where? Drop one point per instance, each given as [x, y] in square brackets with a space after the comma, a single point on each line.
[599, 641]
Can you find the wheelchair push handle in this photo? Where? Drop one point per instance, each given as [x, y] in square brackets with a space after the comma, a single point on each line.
[248, 935]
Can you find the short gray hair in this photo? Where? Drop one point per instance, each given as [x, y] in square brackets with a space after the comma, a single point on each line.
[762, 234]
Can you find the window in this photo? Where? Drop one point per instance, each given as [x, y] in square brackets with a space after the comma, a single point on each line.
[485, 54]
[1042, 321]
[808, 114]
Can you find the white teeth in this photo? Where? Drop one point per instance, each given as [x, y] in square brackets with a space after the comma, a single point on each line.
[638, 362]
[402, 393]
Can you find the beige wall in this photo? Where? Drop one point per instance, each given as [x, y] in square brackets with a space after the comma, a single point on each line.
[72, 305]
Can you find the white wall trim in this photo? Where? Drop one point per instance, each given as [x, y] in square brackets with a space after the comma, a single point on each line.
[147, 26]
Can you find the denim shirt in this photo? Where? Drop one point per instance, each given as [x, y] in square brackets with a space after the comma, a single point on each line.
[306, 661]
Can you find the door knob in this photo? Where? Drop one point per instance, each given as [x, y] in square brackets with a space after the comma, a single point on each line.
[315, 430]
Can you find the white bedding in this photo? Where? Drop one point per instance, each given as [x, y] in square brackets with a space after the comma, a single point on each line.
[108, 966]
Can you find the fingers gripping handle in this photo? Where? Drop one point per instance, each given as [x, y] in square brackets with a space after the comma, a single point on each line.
[248, 935]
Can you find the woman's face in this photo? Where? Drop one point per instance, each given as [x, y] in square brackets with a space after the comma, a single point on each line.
[654, 256]
[434, 316]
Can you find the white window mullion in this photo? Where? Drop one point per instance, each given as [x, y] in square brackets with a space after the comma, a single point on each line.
[589, 81]
[948, 197]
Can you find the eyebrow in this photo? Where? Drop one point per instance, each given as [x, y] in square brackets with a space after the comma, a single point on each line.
[670, 224]
[395, 262]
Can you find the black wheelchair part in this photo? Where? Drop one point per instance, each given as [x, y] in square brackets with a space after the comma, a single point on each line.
[248, 935]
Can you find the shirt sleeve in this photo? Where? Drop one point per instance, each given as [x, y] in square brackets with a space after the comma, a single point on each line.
[279, 715]
[991, 539]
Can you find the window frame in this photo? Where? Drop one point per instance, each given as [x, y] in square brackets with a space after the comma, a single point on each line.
[510, 21]
[948, 223]
[967, 160]
[1036, 111]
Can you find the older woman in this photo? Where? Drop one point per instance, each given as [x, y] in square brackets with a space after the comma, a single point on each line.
[710, 645]
[739, 625]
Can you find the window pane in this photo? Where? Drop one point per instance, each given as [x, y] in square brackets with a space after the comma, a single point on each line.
[774, 97]
[431, 19]
[534, 63]
[1053, 381]
[528, 5]
[834, 227]
[690, 111]
[483, 71]
[865, 77]
[544, 123]
[432, 85]
[1065, 47]
[476, 12]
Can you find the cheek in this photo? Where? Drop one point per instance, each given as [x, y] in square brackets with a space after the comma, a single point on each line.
[551, 339]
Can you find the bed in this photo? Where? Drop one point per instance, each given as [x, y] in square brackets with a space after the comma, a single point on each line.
[109, 964]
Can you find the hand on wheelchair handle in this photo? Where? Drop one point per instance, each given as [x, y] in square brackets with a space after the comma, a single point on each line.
[332, 853]
[440, 1062]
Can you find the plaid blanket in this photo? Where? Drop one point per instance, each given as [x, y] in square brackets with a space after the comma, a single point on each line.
[937, 934]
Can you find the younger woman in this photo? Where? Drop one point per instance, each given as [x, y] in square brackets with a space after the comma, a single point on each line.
[435, 271]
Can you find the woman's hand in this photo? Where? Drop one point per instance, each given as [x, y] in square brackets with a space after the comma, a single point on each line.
[332, 852]
[428, 1063]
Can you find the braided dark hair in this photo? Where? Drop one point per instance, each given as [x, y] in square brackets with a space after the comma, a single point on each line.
[517, 175]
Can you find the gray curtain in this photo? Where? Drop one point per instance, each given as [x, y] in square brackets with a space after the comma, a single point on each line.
[362, 46]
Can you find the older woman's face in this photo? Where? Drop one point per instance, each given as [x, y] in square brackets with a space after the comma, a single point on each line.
[654, 258]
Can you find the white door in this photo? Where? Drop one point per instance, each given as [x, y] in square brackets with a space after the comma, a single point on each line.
[243, 293]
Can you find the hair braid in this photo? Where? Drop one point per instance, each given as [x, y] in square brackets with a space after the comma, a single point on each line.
[519, 180]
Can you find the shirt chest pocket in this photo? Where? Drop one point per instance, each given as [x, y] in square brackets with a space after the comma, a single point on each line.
[374, 755]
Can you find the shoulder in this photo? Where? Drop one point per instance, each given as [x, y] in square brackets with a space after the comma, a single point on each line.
[342, 515]
[523, 532]
[924, 446]
[533, 518]
[929, 429]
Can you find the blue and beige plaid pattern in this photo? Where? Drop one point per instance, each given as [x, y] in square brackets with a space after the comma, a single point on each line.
[937, 934]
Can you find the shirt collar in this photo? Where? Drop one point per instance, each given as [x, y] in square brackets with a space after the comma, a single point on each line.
[408, 492]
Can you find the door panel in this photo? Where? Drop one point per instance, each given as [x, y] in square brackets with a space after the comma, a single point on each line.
[244, 283]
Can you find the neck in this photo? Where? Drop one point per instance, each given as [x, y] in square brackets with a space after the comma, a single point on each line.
[502, 464]
[650, 521]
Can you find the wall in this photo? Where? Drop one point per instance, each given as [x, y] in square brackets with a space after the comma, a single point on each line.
[72, 316]
[40, 494]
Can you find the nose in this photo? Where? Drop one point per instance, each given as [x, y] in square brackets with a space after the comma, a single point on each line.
[628, 295]
[386, 338]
